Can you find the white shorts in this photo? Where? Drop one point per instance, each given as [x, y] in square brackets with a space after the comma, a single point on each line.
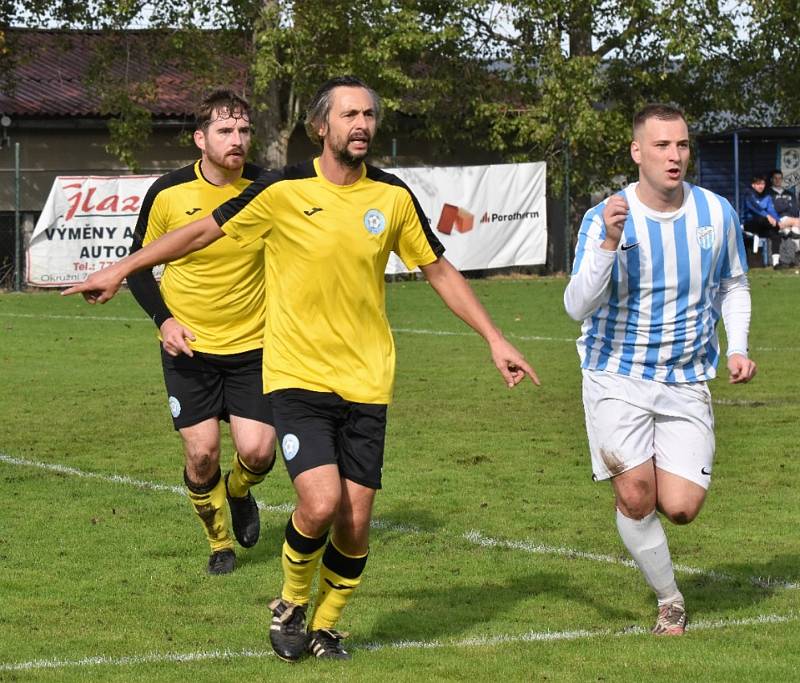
[629, 421]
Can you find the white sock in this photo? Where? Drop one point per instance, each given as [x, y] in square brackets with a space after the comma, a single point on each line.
[776, 259]
[647, 543]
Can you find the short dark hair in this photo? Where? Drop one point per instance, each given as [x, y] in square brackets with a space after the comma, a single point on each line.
[320, 105]
[774, 172]
[758, 178]
[656, 110]
[221, 100]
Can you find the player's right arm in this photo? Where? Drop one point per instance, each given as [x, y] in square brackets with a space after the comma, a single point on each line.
[101, 286]
[595, 255]
[154, 221]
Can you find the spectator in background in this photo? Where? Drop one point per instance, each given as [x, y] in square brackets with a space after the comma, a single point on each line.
[759, 216]
[785, 205]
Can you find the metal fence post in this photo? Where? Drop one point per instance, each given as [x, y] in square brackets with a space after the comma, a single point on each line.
[17, 235]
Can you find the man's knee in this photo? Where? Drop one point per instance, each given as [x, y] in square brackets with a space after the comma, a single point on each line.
[636, 498]
[316, 514]
[202, 461]
[679, 513]
[257, 452]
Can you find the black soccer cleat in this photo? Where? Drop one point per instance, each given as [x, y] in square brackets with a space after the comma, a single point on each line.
[244, 516]
[221, 562]
[287, 630]
[325, 643]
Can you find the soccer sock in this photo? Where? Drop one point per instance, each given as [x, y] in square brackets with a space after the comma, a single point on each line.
[339, 576]
[241, 477]
[647, 543]
[776, 258]
[209, 504]
[301, 555]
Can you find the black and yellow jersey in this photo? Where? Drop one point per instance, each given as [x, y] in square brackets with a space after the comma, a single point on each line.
[217, 292]
[326, 251]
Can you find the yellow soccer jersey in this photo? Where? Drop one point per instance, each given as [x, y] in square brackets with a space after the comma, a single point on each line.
[217, 292]
[327, 246]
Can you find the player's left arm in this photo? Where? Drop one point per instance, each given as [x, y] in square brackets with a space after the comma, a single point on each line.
[456, 293]
[733, 302]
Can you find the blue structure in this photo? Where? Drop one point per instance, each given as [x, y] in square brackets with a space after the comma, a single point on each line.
[725, 162]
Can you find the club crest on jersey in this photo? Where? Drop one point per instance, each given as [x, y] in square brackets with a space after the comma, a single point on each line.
[174, 406]
[705, 236]
[290, 446]
[374, 221]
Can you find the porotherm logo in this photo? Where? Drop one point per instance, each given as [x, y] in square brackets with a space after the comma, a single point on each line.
[459, 219]
[503, 217]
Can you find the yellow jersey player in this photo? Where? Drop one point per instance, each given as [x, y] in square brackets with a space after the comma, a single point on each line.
[329, 226]
[209, 311]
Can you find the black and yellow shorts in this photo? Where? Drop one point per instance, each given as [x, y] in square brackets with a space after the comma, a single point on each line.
[317, 428]
[209, 385]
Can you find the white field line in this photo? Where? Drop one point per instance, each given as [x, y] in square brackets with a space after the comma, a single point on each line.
[118, 479]
[397, 330]
[475, 537]
[479, 539]
[488, 641]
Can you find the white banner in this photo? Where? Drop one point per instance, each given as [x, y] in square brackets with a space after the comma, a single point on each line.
[485, 216]
[86, 224]
[790, 166]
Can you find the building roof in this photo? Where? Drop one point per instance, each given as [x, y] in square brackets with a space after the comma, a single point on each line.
[764, 133]
[52, 68]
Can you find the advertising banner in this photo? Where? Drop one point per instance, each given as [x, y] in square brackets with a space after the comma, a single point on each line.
[86, 224]
[485, 216]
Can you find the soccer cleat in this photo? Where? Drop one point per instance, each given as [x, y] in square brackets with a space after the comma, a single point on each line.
[325, 643]
[671, 620]
[244, 516]
[222, 562]
[287, 630]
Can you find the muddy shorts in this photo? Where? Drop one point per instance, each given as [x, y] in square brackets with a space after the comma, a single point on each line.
[629, 421]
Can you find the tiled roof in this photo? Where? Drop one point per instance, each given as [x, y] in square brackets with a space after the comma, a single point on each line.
[51, 68]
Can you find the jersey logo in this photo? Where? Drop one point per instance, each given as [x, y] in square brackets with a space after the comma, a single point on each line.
[374, 221]
[705, 236]
[193, 211]
[625, 247]
[174, 406]
[706, 471]
[312, 211]
[290, 446]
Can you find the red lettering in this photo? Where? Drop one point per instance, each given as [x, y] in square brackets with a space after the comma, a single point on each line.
[74, 200]
[131, 204]
[86, 207]
[109, 203]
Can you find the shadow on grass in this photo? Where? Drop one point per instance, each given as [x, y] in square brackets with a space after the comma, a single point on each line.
[454, 611]
[749, 584]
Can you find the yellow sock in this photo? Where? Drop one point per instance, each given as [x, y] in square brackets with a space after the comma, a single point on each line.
[241, 477]
[339, 576]
[209, 504]
[300, 559]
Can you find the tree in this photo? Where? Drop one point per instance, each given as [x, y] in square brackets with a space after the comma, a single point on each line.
[412, 52]
[578, 70]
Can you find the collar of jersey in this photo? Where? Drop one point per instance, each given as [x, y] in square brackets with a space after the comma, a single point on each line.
[340, 188]
[662, 216]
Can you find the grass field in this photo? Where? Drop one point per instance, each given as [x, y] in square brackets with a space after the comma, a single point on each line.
[493, 555]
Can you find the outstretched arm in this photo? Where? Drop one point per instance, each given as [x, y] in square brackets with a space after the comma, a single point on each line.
[456, 293]
[103, 285]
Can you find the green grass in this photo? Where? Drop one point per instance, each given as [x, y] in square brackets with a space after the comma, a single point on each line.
[103, 580]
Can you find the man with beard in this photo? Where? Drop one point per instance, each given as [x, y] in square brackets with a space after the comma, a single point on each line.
[329, 226]
[209, 312]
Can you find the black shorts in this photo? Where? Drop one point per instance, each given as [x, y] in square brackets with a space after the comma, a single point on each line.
[316, 428]
[208, 385]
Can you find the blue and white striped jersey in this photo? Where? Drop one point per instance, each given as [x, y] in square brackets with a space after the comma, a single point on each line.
[657, 317]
